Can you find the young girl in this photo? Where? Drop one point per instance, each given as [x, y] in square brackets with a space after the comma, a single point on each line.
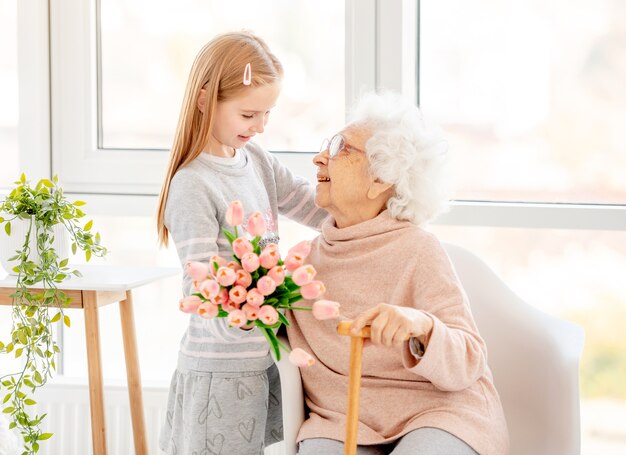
[225, 393]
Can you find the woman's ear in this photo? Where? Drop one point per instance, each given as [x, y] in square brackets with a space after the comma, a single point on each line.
[378, 188]
[201, 101]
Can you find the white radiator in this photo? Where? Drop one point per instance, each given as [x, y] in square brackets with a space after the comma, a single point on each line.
[67, 405]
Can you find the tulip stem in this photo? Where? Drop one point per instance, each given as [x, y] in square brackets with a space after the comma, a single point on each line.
[273, 341]
[299, 308]
[282, 345]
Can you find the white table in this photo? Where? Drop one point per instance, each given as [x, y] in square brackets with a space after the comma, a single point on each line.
[101, 285]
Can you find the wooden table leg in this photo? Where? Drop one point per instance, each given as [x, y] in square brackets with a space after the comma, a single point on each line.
[132, 373]
[94, 364]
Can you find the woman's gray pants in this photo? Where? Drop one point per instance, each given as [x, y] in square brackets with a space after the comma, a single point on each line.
[423, 441]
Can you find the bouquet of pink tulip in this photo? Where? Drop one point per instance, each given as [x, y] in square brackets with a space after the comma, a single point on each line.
[257, 285]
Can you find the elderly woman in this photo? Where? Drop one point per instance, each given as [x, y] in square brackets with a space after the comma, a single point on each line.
[426, 387]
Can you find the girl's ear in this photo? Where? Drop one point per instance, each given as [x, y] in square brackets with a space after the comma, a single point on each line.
[378, 188]
[201, 101]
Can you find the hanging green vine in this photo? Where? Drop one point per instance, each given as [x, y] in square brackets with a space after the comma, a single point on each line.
[37, 303]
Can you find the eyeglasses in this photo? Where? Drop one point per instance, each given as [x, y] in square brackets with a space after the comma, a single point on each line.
[336, 144]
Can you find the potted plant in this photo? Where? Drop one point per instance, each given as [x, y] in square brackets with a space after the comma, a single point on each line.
[44, 217]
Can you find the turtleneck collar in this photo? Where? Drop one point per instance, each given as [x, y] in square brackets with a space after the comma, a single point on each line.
[379, 225]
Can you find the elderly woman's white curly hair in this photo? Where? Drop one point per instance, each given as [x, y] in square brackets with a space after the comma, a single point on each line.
[404, 152]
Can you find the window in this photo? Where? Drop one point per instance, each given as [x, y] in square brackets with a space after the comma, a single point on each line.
[9, 171]
[531, 98]
[124, 109]
[8, 135]
[159, 325]
[119, 102]
[531, 95]
[142, 85]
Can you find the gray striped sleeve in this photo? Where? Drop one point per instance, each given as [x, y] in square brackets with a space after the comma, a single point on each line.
[296, 197]
[191, 221]
[193, 226]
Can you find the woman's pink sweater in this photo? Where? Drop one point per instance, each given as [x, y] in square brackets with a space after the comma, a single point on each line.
[451, 387]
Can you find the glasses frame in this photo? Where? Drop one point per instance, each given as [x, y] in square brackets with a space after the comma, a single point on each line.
[336, 144]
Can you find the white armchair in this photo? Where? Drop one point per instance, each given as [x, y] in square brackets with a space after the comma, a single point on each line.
[534, 359]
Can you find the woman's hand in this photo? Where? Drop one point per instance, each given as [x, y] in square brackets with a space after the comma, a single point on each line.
[392, 325]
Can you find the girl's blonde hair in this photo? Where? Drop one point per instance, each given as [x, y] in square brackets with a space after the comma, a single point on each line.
[219, 69]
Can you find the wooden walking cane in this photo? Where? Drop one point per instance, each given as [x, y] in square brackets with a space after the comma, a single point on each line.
[354, 385]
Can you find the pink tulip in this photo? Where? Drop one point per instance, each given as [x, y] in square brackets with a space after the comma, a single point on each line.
[220, 261]
[250, 262]
[266, 285]
[293, 261]
[209, 289]
[234, 214]
[189, 304]
[269, 257]
[238, 294]
[301, 358]
[242, 246]
[207, 310]
[230, 306]
[302, 249]
[237, 318]
[252, 312]
[256, 225]
[268, 315]
[243, 279]
[254, 297]
[325, 309]
[270, 247]
[312, 290]
[234, 265]
[225, 276]
[304, 275]
[198, 271]
[277, 274]
[221, 298]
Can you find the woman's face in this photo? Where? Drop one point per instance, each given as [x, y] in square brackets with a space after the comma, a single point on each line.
[343, 181]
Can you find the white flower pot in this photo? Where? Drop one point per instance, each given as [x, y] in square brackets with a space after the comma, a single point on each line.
[19, 228]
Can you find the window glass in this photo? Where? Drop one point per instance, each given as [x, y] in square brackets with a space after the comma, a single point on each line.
[578, 276]
[142, 83]
[9, 170]
[8, 139]
[531, 94]
[132, 241]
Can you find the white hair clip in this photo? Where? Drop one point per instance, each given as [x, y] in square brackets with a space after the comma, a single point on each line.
[247, 75]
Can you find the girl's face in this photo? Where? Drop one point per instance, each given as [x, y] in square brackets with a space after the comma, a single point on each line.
[238, 120]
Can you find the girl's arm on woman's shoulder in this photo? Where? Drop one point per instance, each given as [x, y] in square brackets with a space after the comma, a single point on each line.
[296, 196]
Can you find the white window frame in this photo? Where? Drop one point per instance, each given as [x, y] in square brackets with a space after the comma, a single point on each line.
[83, 167]
[74, 71]
[57, 104]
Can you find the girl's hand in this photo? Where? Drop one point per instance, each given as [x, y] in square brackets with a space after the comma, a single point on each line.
[393, 325]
